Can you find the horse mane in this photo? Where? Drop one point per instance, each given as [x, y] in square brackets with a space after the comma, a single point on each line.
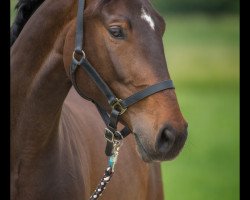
[25, 8]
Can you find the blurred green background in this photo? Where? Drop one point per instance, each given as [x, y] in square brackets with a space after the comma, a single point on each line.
[202, 49]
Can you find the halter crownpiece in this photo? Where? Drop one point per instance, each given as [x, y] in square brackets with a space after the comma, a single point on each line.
[118, 106]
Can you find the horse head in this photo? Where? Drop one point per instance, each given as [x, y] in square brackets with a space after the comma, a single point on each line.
[123, 41]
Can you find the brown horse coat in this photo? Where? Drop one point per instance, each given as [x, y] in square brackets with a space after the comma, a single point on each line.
[57, 143]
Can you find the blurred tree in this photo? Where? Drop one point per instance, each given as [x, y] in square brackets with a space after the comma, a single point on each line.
[202, 6]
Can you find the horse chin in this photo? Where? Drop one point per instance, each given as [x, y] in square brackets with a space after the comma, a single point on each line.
[149, 155]
[145, 156]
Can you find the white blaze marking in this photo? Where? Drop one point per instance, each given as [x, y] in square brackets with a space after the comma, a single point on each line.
[147, 18]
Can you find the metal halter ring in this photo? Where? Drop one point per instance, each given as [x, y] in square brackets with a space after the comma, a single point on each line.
[81, 54]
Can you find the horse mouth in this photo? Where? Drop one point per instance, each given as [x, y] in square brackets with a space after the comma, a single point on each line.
[145, 156]
[148, 153]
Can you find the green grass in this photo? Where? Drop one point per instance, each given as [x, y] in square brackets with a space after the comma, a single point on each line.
[13, 12]
[202, 47]
[203, 59]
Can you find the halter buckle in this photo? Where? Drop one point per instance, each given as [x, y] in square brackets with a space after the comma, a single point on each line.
[110, 136]
[116, 104]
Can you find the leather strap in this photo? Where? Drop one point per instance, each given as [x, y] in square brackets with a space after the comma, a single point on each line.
[79, 27]
[73, 80]
[87, 67]
[106, 118]
[168, 84]
[111, 122]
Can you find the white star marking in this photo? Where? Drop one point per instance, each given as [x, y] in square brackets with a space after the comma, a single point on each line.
[147, 18]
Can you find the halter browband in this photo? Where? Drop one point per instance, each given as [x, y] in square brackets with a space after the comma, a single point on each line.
[118, 106]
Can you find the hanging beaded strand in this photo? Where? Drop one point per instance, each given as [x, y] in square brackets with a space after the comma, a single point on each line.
[108, 172]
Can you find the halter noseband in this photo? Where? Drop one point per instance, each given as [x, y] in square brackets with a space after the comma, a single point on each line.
[118, 106]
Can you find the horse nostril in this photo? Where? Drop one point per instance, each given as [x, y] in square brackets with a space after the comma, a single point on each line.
[165, 141]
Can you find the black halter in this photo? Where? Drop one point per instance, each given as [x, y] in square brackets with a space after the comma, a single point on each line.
[117, 105]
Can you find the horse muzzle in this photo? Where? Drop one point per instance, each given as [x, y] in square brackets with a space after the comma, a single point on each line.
[167, 145]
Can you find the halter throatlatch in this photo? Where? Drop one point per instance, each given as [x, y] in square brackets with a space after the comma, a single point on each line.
[118, 106]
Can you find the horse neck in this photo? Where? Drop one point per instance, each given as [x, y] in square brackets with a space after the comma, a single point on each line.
[39, 83]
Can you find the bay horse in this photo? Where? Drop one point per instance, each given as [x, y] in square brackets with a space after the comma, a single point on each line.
[57, 139]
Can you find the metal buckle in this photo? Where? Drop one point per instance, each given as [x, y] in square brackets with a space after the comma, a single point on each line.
[118, 106]
[110, 136]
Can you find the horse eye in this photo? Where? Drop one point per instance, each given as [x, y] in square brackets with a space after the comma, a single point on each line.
[116, 32]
